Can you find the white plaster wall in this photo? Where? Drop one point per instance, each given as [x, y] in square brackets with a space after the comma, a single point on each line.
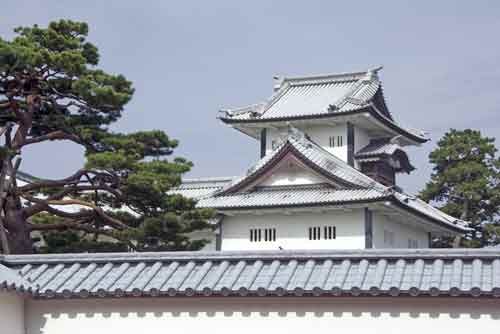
[11, 313]
[264, 315]
[292, 230]
[319, 133]
[295, 175]
[402, 232]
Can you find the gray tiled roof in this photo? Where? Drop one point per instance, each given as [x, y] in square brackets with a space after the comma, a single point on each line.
[438, 272]
[10, 280]
[309, 96]
[220, 193]
[377, 148]
[428, 210]
[290, 196]
[197, 188]
[323, 96]
[316, 155]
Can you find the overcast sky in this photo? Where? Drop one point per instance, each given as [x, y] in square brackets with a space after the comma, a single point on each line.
[189, 59]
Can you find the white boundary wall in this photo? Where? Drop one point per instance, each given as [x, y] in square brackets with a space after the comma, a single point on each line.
[11, 313]
[253, 315]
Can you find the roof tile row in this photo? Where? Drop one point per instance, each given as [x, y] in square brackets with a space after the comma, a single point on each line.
[354, 273]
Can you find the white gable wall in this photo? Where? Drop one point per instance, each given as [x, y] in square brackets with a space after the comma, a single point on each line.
[400, 230]
[292, 230]
[291, 172]
[11, 313]
[263, 315]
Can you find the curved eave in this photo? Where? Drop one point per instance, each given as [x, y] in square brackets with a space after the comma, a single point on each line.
[441, 223]
[406, 167]
[370, 109]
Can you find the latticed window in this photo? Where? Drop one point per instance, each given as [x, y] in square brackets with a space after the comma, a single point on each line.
[335, 141]
[325, 233]
[262, 234]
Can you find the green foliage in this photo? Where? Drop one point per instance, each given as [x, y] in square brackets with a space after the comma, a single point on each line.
[466, 183]
[53, 90]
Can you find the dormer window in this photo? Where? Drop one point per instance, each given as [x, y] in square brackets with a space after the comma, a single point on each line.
[325, 233]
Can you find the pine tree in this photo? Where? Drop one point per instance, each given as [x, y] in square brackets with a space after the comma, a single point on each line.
[52, 90]
[465, 183]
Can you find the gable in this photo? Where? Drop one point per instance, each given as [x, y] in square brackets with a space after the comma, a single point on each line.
[289, 171]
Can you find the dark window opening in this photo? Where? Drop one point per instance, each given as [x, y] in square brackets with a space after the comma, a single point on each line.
[259, 234]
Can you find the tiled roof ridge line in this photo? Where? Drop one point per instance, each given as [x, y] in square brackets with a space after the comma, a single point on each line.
[369, 254]
[348, 76]
[207, 179]
[243, 109]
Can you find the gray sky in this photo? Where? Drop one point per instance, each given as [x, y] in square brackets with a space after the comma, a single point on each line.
[189, 59]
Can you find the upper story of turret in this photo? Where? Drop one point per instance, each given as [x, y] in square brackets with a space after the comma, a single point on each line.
[345, 113]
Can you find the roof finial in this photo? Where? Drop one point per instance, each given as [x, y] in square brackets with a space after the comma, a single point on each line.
[277, 82]
[376, 68]
[372, 73]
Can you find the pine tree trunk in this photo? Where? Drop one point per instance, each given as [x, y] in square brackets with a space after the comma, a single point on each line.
[15, 235]
[19, 233]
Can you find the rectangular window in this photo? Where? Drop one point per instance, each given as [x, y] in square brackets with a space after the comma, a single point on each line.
[325, 233]
[274, 144]
[262, 235]
[331, 141]
[339, 141]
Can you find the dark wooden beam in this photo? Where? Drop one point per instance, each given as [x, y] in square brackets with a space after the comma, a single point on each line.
[218, 236]
[368, 229]
[263, 139]
[350, 144]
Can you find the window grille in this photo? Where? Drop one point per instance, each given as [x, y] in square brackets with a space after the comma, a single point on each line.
[325, 233]
[262, 234]
[331, 141]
